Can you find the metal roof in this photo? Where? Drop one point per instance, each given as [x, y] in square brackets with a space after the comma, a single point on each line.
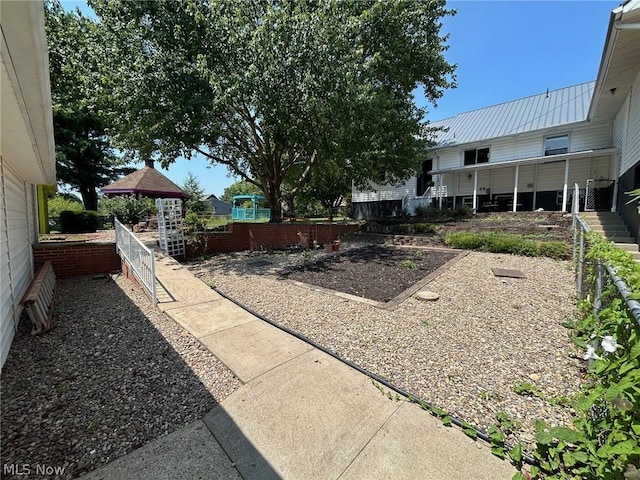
[545, 110]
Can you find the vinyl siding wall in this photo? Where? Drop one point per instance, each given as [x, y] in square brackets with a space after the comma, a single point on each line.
[584, 137]
[627, 129]
[17, 235]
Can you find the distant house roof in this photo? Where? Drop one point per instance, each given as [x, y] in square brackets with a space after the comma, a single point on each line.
[147, 182]
[545, 110]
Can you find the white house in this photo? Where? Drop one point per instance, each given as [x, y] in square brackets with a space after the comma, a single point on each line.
[27, 156]
[528, 153]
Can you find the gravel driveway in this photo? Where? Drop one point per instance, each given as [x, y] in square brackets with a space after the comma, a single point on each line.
[110, 376]
[465, 353]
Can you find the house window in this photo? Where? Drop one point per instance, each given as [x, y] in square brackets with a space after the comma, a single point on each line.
[476, 155]
[556, 145]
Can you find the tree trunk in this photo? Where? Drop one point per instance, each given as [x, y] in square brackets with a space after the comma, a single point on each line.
[89, 197]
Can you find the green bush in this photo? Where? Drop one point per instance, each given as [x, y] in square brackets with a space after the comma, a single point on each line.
[193, 223]
[556, 250]
[466, 240]
[127, 209]
[59, 203]
[505, 243]
[423, 228]
[86, 221]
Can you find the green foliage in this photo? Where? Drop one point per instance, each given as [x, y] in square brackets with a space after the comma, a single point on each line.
[127, 209]
[59, 203]
[506, 243]
[193, 223]
[195, 204]
[275, 90]
[528, 389]
[85, 221]
[240, 188]
[408, 264]
[604, 442]
[85, 159]
[635, 197]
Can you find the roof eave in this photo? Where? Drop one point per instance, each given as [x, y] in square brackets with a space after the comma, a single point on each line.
[605, 61]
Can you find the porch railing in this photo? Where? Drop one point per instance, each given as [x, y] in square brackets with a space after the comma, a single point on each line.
[238, 213]
[605, 274]
[140, 258]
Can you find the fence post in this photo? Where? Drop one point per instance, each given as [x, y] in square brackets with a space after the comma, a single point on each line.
[580, 263]
[597, 296]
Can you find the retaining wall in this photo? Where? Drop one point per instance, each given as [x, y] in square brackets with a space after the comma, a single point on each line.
[255, 236]
[72, 259]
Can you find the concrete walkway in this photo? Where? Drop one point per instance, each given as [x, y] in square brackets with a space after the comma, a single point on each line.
[301, 414]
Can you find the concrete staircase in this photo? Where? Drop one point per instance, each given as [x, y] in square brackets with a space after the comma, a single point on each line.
[611, 226]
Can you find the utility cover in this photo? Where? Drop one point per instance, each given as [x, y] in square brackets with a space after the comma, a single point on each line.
[505, 272]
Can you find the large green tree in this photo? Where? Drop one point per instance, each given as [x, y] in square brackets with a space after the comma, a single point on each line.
[85, 159]
[241, 187]
[274, 88]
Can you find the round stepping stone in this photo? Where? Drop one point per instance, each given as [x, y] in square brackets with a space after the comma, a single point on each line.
[427, 296]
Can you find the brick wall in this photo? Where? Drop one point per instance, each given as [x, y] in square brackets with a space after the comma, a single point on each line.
[75, 259]
[253, 236]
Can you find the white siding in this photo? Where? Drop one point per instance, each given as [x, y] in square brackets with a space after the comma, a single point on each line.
[631, 147]
[590, 138]
[385, 192]
[550, 176]
[449, 158]
[620, 125]
[16, 237]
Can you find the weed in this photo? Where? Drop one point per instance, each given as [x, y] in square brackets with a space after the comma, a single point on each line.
[528, 389]
[212, 283]
[61, 388]
[409, 264]
[95, 423]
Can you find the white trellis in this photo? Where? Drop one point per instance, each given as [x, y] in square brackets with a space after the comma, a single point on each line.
[170, 226]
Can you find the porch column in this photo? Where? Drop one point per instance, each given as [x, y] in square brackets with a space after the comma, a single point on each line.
[616, 181]
[515, 189]
[439, 191]
[564, 188]
[475, 190]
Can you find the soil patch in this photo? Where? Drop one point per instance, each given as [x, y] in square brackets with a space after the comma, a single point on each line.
[375, 272]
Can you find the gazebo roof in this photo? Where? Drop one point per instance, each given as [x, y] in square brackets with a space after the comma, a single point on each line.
[147, 182]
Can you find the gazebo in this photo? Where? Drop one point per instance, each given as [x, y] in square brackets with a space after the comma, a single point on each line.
[146, 182]
[253, 213]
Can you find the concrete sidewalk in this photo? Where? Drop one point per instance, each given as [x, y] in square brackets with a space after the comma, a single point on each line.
[301, 414]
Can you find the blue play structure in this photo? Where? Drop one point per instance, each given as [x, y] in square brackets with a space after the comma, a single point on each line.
[253, 213]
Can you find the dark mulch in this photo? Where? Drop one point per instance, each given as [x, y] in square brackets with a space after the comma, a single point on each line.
[375, 272]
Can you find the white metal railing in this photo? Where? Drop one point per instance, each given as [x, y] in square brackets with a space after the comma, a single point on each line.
[140, 258]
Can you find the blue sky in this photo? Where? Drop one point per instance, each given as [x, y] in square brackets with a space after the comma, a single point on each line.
[504, 50]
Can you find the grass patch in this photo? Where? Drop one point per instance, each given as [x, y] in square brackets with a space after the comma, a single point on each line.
[506, 243]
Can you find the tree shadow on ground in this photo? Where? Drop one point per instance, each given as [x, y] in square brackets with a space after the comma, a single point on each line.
[103, 382]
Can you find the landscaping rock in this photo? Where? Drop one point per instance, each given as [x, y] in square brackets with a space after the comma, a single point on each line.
[427, 296]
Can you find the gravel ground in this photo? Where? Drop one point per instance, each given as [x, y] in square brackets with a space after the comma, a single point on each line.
[464, 353]
[110, 376]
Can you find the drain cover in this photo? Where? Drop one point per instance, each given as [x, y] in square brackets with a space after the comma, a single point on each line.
[505, 272]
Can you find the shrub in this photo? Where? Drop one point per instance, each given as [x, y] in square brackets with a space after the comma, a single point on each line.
[423, 228]
[58, 204]
[556, 250]
[401, 228]
[193, 223]
[467, 240]
[128, 209]
[86, 221]
[504, 243]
